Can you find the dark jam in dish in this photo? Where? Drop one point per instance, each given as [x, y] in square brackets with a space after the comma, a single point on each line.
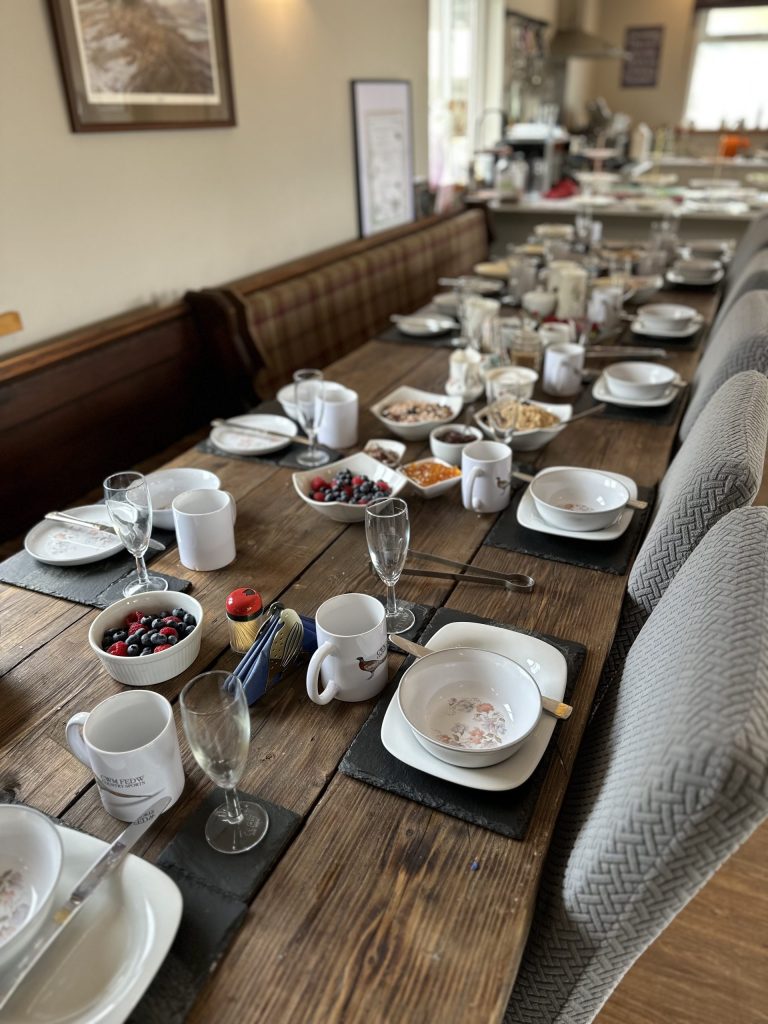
[455, 437]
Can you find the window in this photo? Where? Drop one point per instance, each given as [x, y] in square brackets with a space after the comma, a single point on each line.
[729, 84]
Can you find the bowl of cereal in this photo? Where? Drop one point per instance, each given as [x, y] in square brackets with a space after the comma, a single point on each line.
[535, 423]
[413, 414]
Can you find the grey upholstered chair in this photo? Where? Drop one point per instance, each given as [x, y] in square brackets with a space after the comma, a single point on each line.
[753, 278]
[739, 343]
[752, 241]
[672, 777]
[718, 469]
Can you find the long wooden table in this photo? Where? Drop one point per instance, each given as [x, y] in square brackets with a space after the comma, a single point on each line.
[372, 913]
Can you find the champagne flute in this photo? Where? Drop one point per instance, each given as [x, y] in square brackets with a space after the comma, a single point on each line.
[130, 508]
[308, 395]
[388, 531]
[215, 715]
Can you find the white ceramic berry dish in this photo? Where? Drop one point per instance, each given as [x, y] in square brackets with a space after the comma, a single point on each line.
[154, 668]
[359, 463]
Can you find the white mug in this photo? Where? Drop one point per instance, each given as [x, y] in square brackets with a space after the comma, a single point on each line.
[129, 742]
[555, 334]
[205, 528]
[562, 369]
[486, 467]
[338, 419]
[572, 292]
[351, 656]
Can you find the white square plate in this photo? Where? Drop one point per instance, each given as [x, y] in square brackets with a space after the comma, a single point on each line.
[544, 662]
[528, 516]
[601, 393]
[103, 962]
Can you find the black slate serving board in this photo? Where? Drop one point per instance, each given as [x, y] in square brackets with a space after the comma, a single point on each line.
[508, 813]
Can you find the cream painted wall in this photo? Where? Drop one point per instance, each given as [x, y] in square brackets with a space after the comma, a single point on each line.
[666, 103]
[94, 225]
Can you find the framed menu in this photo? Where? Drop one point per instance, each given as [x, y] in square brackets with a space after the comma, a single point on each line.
[383, 131]
[644, 45]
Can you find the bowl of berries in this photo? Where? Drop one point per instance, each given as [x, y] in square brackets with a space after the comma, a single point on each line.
[341, 490]
[146, 639]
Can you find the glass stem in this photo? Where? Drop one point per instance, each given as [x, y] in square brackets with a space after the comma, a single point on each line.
[311, 434]
[141, 571]
[391, 600]
[234, 811]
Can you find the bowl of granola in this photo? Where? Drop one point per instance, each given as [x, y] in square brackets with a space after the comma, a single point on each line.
[412, 414]
[534, 423]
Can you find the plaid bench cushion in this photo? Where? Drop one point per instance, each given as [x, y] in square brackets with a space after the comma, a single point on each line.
[318, 316]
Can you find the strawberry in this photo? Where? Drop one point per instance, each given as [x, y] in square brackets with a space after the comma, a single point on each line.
[120, 649]
[163, 647]
[133, 617]
[168, 631]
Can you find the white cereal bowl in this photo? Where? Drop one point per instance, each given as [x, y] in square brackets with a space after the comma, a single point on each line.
[450, 451]
[416, 431]
[578, 499]
[517, 380]
[165, 484]
[666, 316]
[469, 707]
[433, 490]
[531, 440]
[30, 866]
[644, 381]
[540, 302]
[156, 668]
[697, 269]
[360, 463]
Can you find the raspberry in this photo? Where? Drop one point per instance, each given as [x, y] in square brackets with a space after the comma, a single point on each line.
[168, 631]
[171, 620]
[318, 484]
[318, 496]
[135, 627]
[133, 617]
[120, 649]
[163, 647]
[357, 480]
[383, 486]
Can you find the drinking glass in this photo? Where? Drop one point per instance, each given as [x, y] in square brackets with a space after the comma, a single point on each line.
[503, 429]
[388, 531]
[308, 395]
[215, 715]
[130, 508]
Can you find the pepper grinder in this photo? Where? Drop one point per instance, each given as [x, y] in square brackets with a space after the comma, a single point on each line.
[244, 608]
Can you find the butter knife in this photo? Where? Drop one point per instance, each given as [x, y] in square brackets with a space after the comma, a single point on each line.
[59, 917]
[65, 517]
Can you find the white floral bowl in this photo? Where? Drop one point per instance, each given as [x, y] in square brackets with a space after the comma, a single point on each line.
[469, 707]
[30, 865]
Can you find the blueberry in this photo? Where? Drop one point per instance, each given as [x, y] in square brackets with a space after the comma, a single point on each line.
[157, 623]
[157, 638]
[147, 620]
[189, 619]
[146, 640]
[119, 634]
[134, 650]
[188, 629]
[147, 650]
[172, 639]
[178, 612]
[137, 634]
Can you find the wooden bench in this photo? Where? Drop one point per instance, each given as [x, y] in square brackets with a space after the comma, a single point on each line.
[106, 396]
[312, 311]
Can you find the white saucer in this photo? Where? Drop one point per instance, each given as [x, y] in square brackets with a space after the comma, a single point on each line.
[686, 332]
[235, 443]
[59, 544]
[528, 516]
[425, 326]
[547, 666]
[103, 962]
[601, 393]
[674, 278]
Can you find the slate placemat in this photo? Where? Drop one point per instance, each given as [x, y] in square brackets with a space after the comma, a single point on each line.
[508, 813]
[671, 344]
[286, 457]
[613, 556]
[396, 337]
[216, 889]
[98, 584]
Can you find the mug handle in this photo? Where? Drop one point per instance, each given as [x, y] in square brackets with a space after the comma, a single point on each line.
[232, 505]
[74, 734]
[313, 675]
[474, 476]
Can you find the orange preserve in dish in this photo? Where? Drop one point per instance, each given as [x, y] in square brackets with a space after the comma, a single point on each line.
[428, 472]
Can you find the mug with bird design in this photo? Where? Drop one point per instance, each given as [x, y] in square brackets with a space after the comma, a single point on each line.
[351, 657]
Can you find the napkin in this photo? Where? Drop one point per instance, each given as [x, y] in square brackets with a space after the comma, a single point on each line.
[264, 665]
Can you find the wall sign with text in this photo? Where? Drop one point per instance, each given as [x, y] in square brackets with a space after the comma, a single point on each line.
[644, 44]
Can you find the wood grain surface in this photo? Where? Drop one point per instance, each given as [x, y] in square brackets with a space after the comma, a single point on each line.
[372, 914]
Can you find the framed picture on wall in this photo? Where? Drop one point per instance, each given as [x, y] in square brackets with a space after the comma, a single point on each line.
[142, 64]
[383, 132]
